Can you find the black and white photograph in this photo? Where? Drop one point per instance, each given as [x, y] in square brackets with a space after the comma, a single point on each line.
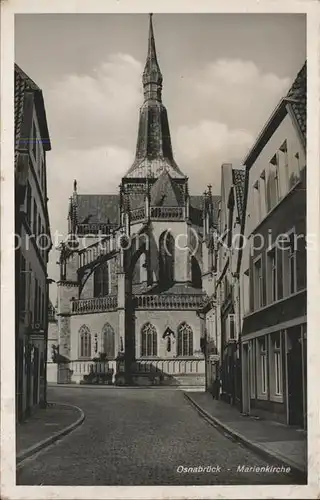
[159, 314]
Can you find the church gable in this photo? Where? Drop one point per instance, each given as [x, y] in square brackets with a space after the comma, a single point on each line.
[165, 192]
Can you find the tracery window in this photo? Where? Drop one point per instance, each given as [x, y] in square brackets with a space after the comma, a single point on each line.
[185, 340]
[148, 340]
[108, 336]
[85, 342]
[101, 280]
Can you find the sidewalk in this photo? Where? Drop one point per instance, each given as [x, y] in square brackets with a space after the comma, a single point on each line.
[285, 444]
[45, 427]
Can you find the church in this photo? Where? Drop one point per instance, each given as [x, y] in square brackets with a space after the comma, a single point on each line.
[130, 287]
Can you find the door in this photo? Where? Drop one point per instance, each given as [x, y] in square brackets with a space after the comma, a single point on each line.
[295, 385]
[245, 379]
[35, 376]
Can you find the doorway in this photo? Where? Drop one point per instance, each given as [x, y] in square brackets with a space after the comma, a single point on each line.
[245, 379]
[295, 381]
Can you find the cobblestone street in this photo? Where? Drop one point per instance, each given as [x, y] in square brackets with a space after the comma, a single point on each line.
[140, 437]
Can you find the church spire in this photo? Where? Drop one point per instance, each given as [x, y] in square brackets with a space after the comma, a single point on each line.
[152, 77]
[154, 151]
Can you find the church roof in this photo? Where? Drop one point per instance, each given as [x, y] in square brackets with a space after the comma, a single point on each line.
[165, 192]
[97, 208]
[154, 150]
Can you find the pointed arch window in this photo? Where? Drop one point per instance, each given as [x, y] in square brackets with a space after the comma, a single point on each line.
[196, 276]
[108, 338]
[148, 340]
[166, 259]
[85, 342]
[185, 340]
[101, 280]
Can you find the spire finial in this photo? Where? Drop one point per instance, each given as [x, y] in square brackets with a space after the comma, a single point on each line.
[75, 186]
[152, 77]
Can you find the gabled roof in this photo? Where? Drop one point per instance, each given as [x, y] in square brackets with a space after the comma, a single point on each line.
[97, 208]
[298, 94]
[238, 178]
[23, 84]
[296, 100]
[165, 192]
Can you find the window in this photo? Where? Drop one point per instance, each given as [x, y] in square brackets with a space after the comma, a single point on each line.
[101, 280]
[166, 259]
[28, 205]
[272, 275]
[108, 340]
[295, 170]
[263, 208]
[257, 201]
[40, 305]
[35, 219]
[292, 265]
[85, 342]
[231, 327]
[169, 344]
[277, 366]
[148, 340]
[284, 167]
[246, 291]
[185, 340]
[35, 315]
[252, 373]
[289, 254]
[22, 284]
[262, 342]
[258, 285]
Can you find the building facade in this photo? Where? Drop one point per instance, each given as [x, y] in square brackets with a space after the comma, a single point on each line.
[273, 267]
[227, 281]
[33, 243]
[131, 268]
[52, 345]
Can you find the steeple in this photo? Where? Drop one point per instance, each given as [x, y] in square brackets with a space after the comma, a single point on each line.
[154, 151]
[152, 77]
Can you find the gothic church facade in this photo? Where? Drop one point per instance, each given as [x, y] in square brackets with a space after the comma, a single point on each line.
[130, 286]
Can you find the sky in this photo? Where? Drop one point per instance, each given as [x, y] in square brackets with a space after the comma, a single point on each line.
[223, 74]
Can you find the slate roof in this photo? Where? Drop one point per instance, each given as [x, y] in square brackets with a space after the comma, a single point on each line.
[97, 208]
[176, 289]
[22, 84]
[298, 93]
[238, 179]
[165, 192]
[154, 152]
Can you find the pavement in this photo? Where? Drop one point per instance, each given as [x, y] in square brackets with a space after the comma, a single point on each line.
[144, 437]
[287, 445]
[45, 427]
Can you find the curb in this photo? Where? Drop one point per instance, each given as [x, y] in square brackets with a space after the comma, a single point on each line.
[52, 439]
[257, 448]
[113, 387]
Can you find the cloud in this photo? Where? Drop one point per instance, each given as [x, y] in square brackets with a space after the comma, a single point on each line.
[233, 91]
[87, 110]
[203, 147]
